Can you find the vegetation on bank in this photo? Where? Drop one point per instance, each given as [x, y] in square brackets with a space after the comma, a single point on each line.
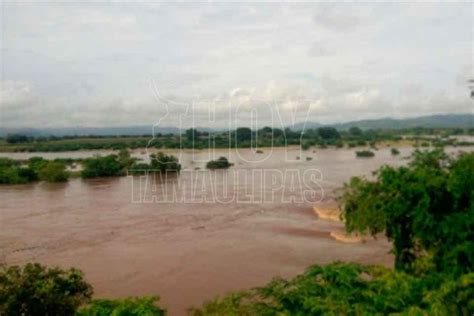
[242, 137]
[425, 209]
[36, 290]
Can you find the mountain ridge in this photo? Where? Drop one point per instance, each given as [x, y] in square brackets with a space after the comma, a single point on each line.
[465, 120]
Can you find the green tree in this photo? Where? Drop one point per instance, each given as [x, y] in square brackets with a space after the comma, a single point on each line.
[11, 172]
[355, 131]
[424, 208]
[53, 171]
[350, 289]
[16, 138]
[164, 163]
[328, 133]
[191, 134]
[36, 290]
[243, 134]
[134, 306]
[108, 166]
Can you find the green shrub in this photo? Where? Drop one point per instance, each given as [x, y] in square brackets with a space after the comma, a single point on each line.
[11, 175]
[11, 172]
[37, 290]
[164, 163]
[365, 154]
[350, 289]
[108, 166]
[221, 163]
[159, 162]
[134, 306]
[53, 171]
[394, 151]
[305, 145]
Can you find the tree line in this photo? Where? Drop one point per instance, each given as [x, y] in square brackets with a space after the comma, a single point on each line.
[241, 137]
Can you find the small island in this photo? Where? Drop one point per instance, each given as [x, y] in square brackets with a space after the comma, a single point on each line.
[220, 163]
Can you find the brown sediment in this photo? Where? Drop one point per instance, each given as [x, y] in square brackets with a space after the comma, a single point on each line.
[332, 214]
[303, 232]
[343, 236]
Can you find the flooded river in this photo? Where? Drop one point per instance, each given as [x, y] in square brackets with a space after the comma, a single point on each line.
[188, 249]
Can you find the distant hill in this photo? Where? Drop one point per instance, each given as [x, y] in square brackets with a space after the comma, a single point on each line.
[432, 121]
[85, 131]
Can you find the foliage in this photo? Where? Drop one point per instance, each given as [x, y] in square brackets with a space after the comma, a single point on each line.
[220, 163]
[328, 133]
[240, 137]
[426, 207]
[107, 166]
[53, 171]
[355, 131]
[305, 145]
[11, 172]
[164, 163]
[243, 134]
[37, 290]
[394, 151]
[365, 154]
[191, 134]
[134, 306]
[159, 162]
[350, 289]
[16, 138]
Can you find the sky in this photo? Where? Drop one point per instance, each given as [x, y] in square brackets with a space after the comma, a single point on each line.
[214, 64]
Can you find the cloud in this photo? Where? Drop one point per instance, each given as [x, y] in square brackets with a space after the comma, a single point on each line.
[318, 49]
[91, 64]
[336, 18]
[15, 95]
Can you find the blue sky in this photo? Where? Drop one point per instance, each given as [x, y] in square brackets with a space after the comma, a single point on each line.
[93, 64]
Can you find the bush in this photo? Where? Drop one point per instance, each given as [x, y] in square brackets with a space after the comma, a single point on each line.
[53, 171]
[36, 163]
[37, 290]
[16, 138]
[394, 151]
[108, 166]
[305, 146]
[328, 133]
[365, 154]
[11, 172]
[135, 306]
[350, 289]
[221, 163]
[11, 175]
[164, 163]
[158, 163]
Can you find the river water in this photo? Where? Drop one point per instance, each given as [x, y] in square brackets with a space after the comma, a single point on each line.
[192, 236]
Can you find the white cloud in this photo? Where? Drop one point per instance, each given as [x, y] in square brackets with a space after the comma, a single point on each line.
[90, 64]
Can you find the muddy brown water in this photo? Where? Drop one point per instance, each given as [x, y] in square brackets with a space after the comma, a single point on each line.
[129, 239]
